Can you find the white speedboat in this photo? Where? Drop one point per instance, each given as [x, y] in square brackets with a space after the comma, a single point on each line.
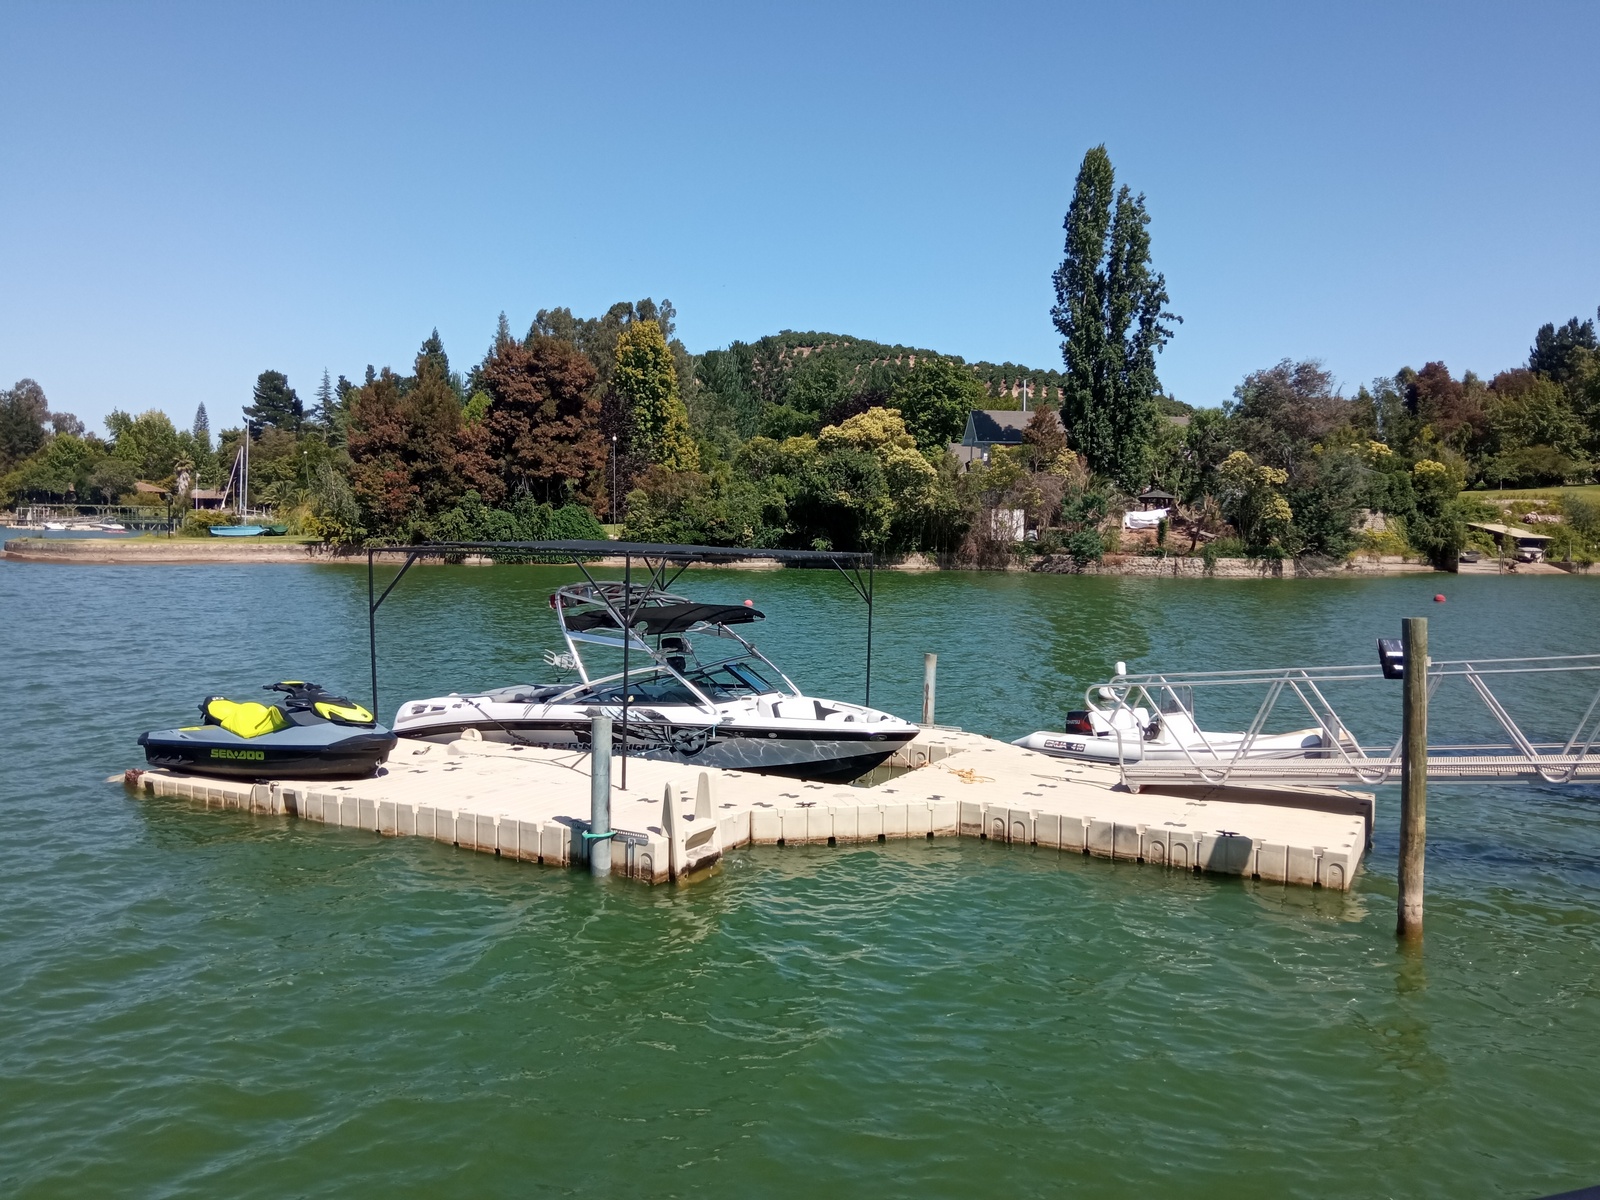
[1163, 729]
[695, 691]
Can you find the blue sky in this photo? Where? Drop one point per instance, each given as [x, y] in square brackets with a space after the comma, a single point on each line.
[195, 193]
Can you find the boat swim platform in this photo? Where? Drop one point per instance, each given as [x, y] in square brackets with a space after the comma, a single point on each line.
[532, 804]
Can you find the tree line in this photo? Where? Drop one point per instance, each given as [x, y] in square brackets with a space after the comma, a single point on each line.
[825, 440]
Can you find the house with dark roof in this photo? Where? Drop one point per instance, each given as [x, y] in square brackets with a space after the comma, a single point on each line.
[991, 427]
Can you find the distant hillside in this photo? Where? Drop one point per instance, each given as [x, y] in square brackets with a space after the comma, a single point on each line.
[791, 381]
[782, 352]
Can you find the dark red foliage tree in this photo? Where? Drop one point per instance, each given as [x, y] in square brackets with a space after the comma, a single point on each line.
[412, 455]
[543, 424]
[1453, 410]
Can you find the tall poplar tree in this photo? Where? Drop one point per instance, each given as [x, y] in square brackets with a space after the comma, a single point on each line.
[1111, 311]
[647, 379]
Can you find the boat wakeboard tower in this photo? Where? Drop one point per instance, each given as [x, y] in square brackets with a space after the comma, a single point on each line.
[1156, 723]
[695, 691]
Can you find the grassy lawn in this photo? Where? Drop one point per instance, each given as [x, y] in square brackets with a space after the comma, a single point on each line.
[221, 541]
[1590, 491]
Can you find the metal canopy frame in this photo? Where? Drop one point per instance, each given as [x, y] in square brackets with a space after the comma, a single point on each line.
[857, 568]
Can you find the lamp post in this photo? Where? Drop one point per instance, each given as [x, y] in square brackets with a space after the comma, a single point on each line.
[613, 479]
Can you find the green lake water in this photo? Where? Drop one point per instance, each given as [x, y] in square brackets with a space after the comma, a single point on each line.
[211, 1004]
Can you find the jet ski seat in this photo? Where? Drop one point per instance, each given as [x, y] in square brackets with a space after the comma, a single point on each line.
[248, 720]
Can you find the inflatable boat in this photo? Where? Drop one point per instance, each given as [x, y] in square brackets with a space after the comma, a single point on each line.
[1114, 729]
[309, 734]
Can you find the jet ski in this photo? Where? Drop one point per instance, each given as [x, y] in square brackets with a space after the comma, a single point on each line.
[309, 734]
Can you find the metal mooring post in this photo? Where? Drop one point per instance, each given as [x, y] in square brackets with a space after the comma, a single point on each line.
[599, 837]
[1413, 776]
[930, 667]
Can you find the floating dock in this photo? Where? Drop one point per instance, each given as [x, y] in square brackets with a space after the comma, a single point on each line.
[532, 804]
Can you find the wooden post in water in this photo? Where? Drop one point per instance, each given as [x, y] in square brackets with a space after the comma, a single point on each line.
[1413, 776]
[599, 797]
[930, 668]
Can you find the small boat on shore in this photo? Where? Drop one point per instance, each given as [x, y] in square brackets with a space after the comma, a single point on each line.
[238, 531]
[310, 734]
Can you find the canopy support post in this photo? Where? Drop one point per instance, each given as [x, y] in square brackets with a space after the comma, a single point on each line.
[372, 633]
[627, 643]
[869, 632]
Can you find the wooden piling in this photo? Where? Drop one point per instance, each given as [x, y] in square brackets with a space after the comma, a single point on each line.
[930, 668]
[1413, 777]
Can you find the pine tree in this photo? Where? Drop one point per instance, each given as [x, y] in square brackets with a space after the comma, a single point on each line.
[202, 426]
[433, 352]
[1111, 311]
[276, 403]
[323, 413]
[647, 380]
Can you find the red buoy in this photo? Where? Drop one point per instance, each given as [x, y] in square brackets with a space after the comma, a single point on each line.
[752, 603]
[1439, 599]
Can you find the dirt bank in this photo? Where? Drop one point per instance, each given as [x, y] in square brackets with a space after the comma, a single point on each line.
[175, 550]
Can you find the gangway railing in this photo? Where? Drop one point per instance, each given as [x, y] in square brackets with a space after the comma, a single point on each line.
[1135, 704]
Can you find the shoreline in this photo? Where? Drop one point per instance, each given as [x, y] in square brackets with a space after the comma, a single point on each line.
[189, 551]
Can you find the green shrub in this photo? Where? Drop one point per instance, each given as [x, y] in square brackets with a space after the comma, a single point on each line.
[1224, 547]
[198, 523]
[1387, 541]
[1086, 546]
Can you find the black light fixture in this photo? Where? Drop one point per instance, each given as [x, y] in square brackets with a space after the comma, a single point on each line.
[1392, 658]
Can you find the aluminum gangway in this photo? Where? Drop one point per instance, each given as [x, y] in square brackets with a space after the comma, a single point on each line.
[1562, 687]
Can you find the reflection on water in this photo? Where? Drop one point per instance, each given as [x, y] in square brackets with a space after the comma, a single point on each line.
[208, 1003]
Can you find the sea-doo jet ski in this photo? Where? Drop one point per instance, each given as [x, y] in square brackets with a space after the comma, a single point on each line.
[309, 734]
[696, 691]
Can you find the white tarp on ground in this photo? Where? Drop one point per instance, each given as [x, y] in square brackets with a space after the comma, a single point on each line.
[1148, 519]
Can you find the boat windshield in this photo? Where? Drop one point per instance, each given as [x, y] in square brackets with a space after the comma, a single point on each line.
[656, 687]
[731, 679]
[1174, 699]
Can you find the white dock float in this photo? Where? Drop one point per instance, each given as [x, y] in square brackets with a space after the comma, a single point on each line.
[532, 804]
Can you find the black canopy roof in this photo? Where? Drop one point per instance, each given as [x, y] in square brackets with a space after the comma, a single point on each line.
[667, 618]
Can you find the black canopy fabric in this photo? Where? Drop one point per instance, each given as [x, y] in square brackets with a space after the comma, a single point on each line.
[667, 618]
